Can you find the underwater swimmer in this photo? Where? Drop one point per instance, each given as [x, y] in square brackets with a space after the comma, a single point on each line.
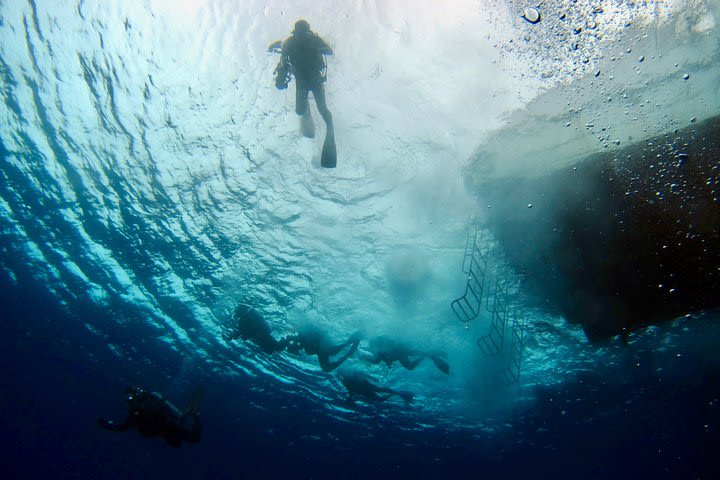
[251, 326]
[154, 416]
[389, 351]
[359, 384]
[303, 55]
[317, 342]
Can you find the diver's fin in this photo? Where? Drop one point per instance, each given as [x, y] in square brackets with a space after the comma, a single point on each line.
[307, 126]
[441, 364]
[329, 152]
[193, 405]
[275, 47]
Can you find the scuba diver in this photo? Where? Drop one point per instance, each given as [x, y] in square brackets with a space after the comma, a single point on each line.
[303, 55]
[359, 384]
[316, 342]
[389, 351]
[250, 325]
[154, 416]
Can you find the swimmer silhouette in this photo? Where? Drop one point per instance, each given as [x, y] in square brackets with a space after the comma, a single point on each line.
[389, 351]
[359, 384]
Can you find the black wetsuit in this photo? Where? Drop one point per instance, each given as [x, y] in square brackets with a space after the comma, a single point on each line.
[304, 52]
[153, 416]
[251, 326]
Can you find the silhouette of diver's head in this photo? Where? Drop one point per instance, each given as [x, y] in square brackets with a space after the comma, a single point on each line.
[301, 27]
[134, 396]
[132, 392]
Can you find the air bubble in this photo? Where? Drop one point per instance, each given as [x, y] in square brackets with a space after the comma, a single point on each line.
[531, 14]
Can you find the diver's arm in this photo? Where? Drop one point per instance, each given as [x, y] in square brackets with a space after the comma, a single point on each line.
[114, 426]
[325, 49]
[285, 51]
[171, 409]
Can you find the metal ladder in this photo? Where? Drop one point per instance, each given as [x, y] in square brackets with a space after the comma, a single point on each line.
[512, 369]
[504, 312]
[467, 307]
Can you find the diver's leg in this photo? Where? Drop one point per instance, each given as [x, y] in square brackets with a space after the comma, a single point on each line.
[354, 341]
[319, 95]
[307, 127]
[301, 99]
[441, 364]
[407, 396]
[332, 365]
[328, 157]
[387, 390]
[114, 426]
[411, 364]
[328, 365]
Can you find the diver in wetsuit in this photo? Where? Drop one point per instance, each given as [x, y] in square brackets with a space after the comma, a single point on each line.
[251, 326]
[316, 342]
[154, 416]
[359, 384]
[302, 55]
[389, 351]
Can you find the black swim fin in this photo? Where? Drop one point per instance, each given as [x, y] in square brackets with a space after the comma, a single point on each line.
[328, 159]
[441, 364]
[193, 405]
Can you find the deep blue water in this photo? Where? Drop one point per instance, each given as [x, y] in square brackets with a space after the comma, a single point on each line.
[56, 379]
[151, 178]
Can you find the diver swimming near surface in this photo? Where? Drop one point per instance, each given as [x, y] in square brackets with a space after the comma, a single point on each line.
[302, 55]
[154, 416]
[317, 342]
[359, 384]
[251, 326]
[389, 351]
